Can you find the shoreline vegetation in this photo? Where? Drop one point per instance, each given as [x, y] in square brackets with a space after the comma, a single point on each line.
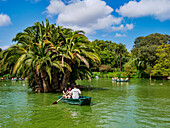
[53, 57]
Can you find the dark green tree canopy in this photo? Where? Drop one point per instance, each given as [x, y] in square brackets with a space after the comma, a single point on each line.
[110, 52]
[144, 48]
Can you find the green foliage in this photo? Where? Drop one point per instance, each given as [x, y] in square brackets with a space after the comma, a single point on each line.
[144, 51]
[129, 71]
[114, 74]
[94, 74]
[104, 68]
[121, 50]
[56, 50]
[111, 54]
[148, 70]
[45, 49]
[162, 66]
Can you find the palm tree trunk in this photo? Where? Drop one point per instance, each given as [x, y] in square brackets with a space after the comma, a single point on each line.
[72, 83]
[38, 81]
[55, 81]
[120, 62]
[29, 82]
[45, 81]
[65, 79]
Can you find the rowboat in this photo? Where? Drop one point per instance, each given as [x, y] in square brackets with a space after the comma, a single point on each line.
[84, 100]
[122, 80]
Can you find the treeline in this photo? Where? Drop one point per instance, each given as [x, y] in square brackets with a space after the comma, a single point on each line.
[150, 56]
[52, 57]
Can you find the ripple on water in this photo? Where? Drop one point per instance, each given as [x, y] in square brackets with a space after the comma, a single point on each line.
[117, 105]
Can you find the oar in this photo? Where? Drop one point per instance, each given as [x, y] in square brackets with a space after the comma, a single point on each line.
[55, 102]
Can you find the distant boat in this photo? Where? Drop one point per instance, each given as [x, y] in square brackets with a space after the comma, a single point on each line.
[21, 79]
[122, 80]
[14, 79]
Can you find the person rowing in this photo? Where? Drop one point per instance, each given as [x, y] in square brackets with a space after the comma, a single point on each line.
[75, 92]
[127, 79]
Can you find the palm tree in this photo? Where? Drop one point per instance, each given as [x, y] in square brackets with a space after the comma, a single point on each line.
[74, 50]
[77, 52]
[34, 55]
[120, 50]
[48, 53]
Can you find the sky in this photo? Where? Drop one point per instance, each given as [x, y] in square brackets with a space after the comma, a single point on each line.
[120, 21]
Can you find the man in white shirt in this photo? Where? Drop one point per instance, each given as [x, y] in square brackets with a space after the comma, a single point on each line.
[75, 93]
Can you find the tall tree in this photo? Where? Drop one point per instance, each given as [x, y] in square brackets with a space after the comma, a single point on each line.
[49, 53]
[144, 50]
[162, 66]
[121, 50]
[76, 51]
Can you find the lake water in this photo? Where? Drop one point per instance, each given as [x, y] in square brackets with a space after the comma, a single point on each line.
[140, 103]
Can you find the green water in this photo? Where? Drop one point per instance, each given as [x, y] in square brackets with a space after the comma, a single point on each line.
[136, 104]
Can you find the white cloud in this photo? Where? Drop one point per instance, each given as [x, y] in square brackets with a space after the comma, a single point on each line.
[55, 7]
[106, 22]
[160, 9]
[123, 27]
[85, 29]
[4, 47]
[120, 35]
[4, 20]
[87, 15]
[83, 12]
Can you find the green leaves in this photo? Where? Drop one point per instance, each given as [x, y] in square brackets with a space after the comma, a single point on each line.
[19, 62]
[162, 66]
[109, 53]
[45, 49]
[151, 54]
[145, 48]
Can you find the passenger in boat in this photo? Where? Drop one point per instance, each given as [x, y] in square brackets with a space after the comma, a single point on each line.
[69, 93]
[121, 79]
[117, 79]
[127, 79]
[65, 92]
[75, 92]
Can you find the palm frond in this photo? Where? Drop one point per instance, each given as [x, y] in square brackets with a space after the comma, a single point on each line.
[83, 59]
